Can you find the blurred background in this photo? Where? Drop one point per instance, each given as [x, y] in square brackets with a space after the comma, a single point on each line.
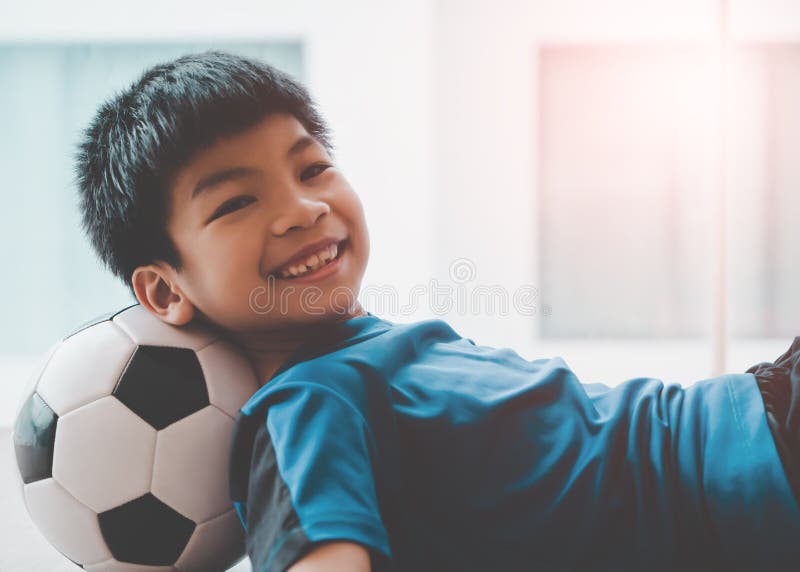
[611, 181]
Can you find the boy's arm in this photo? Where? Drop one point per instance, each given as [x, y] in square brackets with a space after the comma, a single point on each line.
[335, 557]
[303, 480]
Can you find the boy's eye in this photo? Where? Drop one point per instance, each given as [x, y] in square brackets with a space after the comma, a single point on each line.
[238, 202]
[230, 206]
[314, 170]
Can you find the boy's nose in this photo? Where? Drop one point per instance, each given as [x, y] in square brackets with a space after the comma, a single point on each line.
[302, 212]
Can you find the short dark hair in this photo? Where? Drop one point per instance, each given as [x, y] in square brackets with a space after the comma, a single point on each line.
[140, 138]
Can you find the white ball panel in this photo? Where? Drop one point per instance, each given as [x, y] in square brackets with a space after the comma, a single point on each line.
[215, 545]
[230, 377]
[85, 367]
[190, 471]
[33, 379]
[145, 329]
[66, 523]
[104, 454]
[114, 566]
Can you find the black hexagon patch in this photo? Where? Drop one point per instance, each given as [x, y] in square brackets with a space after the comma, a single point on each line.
[162, 385]
[34, 437]
[145, 531]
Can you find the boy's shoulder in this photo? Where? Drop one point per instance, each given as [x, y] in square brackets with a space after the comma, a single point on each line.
[368, 340]
[357, 362]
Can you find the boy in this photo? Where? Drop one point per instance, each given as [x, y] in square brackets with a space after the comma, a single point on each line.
[209, 188]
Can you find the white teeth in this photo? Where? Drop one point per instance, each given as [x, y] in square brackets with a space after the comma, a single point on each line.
[312, 262]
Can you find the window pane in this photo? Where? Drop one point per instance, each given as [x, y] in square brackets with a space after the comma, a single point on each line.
[625, 148]
[53, 280]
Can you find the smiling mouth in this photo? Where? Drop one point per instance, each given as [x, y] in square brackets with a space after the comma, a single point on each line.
[313, 264]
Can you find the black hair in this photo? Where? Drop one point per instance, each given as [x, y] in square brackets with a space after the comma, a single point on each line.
[142, 136]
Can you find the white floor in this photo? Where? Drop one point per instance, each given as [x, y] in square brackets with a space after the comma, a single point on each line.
[22, 548]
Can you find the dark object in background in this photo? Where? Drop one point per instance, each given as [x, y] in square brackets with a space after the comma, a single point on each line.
[779, 383]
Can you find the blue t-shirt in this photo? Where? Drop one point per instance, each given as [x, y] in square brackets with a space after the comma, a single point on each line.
[439, 454]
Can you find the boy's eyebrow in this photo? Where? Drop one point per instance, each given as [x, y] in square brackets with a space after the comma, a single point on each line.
[208, 182]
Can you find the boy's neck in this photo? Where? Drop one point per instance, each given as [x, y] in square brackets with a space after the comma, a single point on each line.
[268, 352]
[267, 366]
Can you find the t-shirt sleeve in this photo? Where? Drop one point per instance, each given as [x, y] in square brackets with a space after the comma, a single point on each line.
[311, 479]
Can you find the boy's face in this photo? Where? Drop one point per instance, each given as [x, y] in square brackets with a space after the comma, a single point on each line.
[243, 208]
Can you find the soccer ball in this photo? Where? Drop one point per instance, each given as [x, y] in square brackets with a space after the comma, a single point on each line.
[122, 442]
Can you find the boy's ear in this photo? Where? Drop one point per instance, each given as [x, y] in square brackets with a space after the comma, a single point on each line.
[160, 295]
